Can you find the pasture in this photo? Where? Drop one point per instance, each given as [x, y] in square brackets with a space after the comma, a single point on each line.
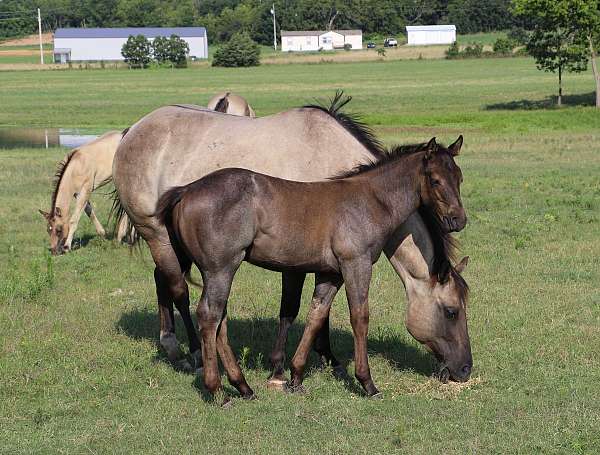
[80, 367]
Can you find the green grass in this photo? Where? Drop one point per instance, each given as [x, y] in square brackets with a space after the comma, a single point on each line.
[482, 38]
[80, 370]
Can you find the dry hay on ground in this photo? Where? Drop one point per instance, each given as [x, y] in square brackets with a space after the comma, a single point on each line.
[28, 40]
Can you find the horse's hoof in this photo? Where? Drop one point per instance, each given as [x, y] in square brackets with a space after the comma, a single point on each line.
[339, 372]
[377, 396]
[184, 366]
[277, 384]
[196, 359]
[250, 397]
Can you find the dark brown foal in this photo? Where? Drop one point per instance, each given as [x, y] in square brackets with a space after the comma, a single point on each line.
[336, 229]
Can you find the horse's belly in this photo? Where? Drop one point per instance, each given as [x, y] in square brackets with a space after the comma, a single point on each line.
[281, 254]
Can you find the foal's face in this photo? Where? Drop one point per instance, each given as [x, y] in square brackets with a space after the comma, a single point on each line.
[442, 185]
[58, 230]
[437, 318]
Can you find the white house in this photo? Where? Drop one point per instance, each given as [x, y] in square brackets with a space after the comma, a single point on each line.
[421, 35]
[95, 44]
[320, 39]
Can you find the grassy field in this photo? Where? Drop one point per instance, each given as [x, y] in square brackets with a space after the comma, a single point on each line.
[80, 369]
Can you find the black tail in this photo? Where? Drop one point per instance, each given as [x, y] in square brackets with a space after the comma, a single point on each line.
[166, 204]
[164, 213]
[116, 213]
[223, 104]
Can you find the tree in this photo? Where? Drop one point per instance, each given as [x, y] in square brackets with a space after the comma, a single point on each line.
[178, 51]
[239, 51]
[160, 49]
[137, 51]
[565, 35]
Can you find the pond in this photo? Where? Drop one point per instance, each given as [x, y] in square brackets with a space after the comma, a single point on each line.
[16, 137]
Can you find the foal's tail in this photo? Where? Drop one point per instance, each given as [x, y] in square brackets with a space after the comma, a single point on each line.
[167, 203]
[164, 212]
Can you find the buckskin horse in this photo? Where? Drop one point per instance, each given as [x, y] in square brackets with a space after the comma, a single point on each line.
[84, 170]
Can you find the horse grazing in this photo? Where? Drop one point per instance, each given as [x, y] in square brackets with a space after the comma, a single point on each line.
[230, 103]
[336, 229]
[84, 170]
[176, 145]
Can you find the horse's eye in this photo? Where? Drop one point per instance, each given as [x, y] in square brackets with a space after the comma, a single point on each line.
[451, 313]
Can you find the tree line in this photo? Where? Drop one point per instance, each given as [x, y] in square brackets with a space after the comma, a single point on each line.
[223, 18]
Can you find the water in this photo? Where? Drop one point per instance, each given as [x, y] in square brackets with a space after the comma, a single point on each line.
[11, 138]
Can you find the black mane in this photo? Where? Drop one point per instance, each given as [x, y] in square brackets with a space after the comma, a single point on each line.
[388, 156]
[351, 122]
[60, 172]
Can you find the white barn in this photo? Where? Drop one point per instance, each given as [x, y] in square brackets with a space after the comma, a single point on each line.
[422, 35]
[320, 39]
[96, 44]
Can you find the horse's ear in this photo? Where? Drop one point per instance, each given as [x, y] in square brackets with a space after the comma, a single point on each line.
[44, 214]
[454, 149]
[462, 265]
[430, 148]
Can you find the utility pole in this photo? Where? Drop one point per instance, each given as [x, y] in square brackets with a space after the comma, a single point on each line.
[274, 28]
[40, 33]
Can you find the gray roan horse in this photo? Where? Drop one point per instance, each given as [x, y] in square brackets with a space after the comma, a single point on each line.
[230, 103]
[175, 145]
[336, 229]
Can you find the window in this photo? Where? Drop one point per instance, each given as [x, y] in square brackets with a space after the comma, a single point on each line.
[326, 40]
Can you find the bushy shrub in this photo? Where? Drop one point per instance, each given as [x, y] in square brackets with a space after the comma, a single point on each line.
[473, 50]
[240, 50]
[504, 46]
[172, 51]
[518, 35]
[137, 51]
[453, 51]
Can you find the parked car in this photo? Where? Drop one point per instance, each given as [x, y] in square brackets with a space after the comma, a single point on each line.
[371, 46]
[390, 42]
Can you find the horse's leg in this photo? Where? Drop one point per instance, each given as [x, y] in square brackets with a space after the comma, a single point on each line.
[122, 229]
[171, 287]
[234, 372]
[210, 312]
[323, 348]
[80, 201]
[357, 276]
[89, 211]
[326, 286]
[291, 293]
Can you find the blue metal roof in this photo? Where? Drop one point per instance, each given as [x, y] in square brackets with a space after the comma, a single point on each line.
[148, 32]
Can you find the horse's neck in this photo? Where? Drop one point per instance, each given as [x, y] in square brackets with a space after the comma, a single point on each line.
[397, 186]
[67, 189]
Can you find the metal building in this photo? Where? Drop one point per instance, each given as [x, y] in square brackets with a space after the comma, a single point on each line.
[97, 44]
[422, 35]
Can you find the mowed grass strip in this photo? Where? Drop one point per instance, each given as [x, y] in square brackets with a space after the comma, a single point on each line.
[80, 369]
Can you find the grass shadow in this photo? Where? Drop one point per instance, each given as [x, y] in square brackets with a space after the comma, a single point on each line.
[583, 99]
[257, 336]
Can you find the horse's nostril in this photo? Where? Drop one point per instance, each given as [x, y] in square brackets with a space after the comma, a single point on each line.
[466, 370]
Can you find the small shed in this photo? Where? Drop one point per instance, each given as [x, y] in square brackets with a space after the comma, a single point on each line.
[313, 40]
[97, 44]
[423, 35]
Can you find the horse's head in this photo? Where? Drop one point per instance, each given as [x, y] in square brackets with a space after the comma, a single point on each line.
[441, 186]
[437, 317]
[58, 230]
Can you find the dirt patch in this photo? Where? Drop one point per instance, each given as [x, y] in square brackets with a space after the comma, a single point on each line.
[401, 53]
[20, 52]
[28, 40]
